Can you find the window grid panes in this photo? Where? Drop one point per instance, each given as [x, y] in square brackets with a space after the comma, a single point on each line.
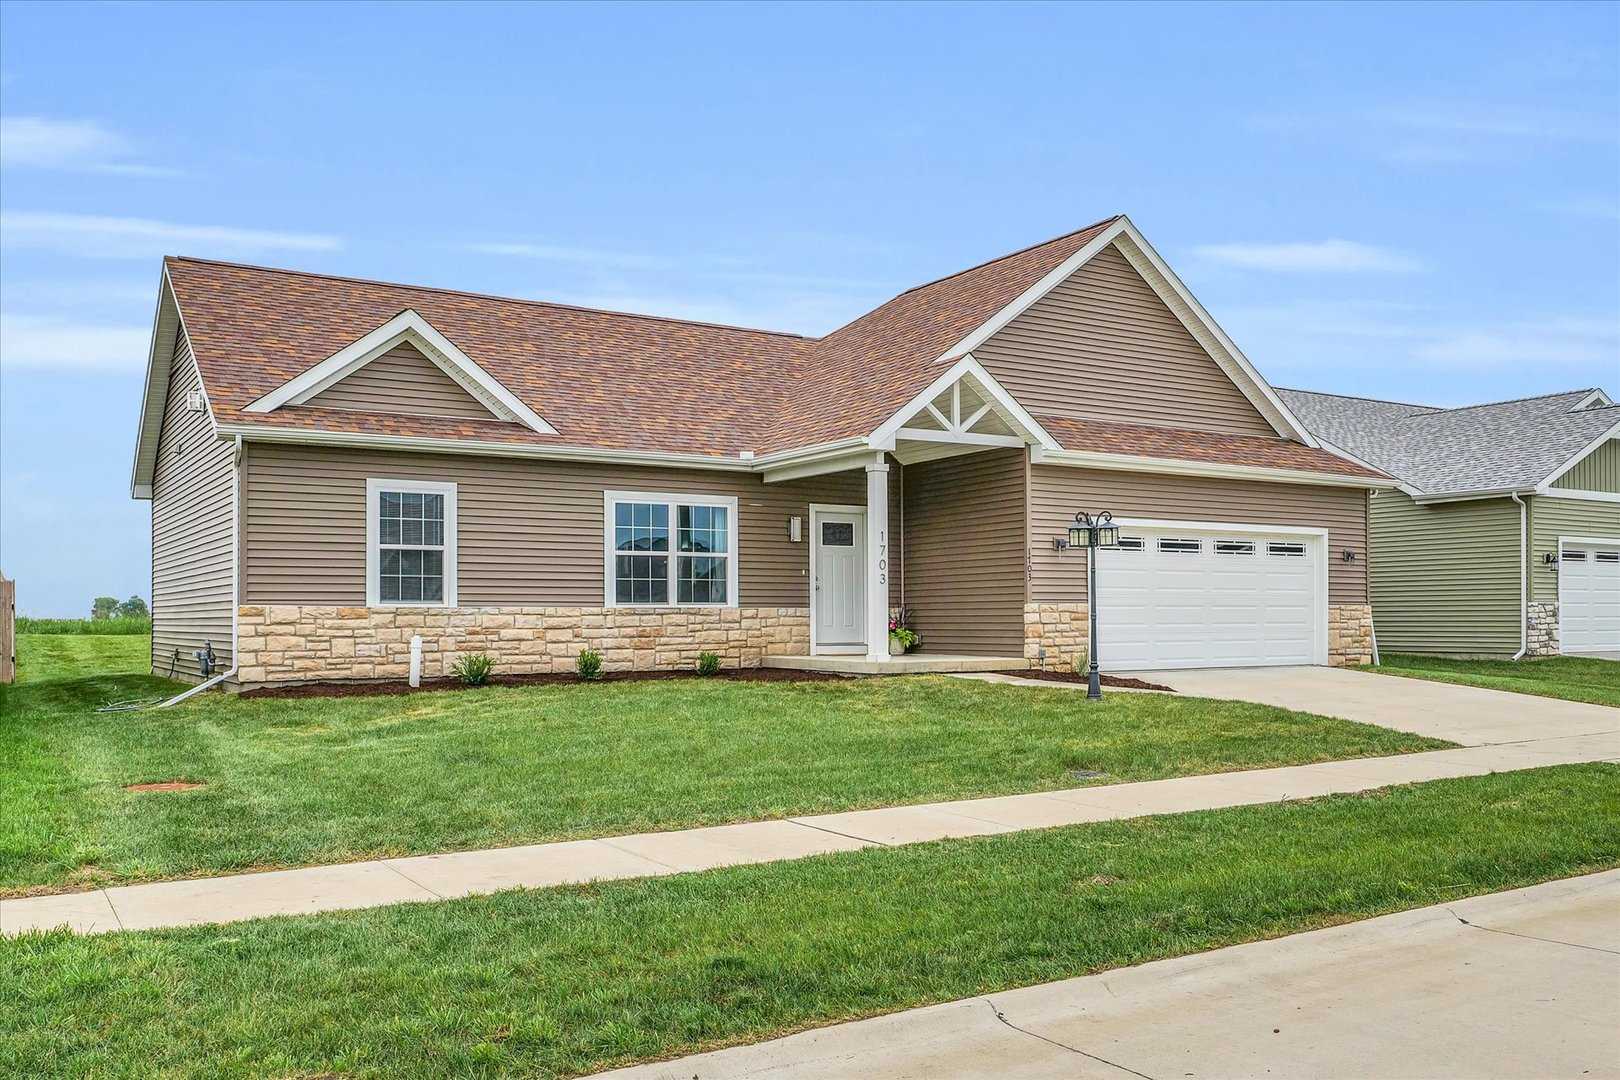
[410, 533]
[1234, 547]
[647, 571]
[1181, 547]
[1288, 549]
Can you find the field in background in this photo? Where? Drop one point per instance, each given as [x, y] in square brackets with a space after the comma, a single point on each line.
[116, 627]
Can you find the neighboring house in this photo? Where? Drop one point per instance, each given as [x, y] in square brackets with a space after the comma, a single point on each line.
[1504, 535]
[337, 465]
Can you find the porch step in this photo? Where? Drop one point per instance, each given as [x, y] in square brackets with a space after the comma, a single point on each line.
[910, 664]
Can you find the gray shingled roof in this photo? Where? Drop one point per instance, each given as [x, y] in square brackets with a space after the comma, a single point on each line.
[1505, 444]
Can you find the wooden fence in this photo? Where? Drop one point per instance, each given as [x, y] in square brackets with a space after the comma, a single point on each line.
[8, 630]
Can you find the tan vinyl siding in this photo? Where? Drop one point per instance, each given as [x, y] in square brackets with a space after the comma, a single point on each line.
[1445, 576]
[1057, 491]
[1551, 518]
[1597, 471]
[964, 542]
[192, 530]
[1102, 345]
[402, 380]
[528, 532]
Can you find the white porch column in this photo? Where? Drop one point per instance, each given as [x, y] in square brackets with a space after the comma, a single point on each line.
[877, 560]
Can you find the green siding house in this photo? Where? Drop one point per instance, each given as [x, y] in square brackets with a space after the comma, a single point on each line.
[1503, 538]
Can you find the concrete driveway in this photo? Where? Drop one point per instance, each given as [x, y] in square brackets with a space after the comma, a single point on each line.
[1463, 714]
[1519, 985]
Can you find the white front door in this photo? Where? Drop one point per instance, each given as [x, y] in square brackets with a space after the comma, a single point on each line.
[1187, 597]
[838, 580]
[1588, 595]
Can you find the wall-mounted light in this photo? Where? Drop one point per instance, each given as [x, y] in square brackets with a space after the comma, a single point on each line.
[795, 530]
[1349, 556]
[1060, 543]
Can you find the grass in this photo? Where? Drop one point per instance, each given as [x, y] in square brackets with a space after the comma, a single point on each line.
[114, 627]
[1573, 678]
[564, 981]
[299, 782]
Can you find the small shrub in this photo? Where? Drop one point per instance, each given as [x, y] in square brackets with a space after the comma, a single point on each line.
[709, 663]
[589, 665]
[474, 669]
[1081, 664]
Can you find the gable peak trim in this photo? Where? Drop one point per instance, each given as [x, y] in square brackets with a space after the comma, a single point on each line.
[408, 326]
[1000, 401]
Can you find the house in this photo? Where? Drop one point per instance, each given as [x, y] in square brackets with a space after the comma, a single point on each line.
[336, 466]
[1503, 538]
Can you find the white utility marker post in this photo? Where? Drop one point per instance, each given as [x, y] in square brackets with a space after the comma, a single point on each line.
[877, 560]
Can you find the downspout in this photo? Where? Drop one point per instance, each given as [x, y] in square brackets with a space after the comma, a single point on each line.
[236, 583]
[1524, 576]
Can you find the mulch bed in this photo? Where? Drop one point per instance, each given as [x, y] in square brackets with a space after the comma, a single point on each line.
[556, 678]
[1116, 681]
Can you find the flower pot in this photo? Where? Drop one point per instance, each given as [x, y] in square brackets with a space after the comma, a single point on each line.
[895, 648]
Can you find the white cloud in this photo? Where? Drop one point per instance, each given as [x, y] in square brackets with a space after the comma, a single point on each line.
[35, 142]
[1319, 257]
[37, 341]
[1548, 343]
[96, 236]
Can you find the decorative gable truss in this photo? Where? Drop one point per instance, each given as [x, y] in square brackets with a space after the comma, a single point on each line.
[408, 327]
[963, 411]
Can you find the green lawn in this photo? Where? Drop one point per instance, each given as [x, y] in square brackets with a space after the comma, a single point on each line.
[296, 782]
[1573, 678]
[564, 981]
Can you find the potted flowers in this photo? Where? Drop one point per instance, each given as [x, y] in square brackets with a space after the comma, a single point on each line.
[902, 639]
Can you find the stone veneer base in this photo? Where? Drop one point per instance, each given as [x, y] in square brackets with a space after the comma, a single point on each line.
[1543, 636]
[308, 643]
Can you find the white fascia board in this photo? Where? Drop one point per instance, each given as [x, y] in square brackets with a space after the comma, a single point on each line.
[1577, 495]
[1469, 496]
[1575, 459]
[1014, 413]
[857, 458]
[261, 434]
[410, 326]
[1179, 467]
[1596, 397]
[166, 323]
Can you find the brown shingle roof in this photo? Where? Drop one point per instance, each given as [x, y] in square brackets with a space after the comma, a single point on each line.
[612, 381]
[1141, 440]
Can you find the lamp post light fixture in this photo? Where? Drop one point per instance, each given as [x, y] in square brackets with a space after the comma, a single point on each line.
[1092, 532]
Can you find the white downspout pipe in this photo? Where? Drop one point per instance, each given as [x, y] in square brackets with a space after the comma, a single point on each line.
[236, 583]
[1524, 576]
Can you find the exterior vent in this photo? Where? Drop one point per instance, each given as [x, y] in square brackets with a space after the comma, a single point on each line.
[194, 401]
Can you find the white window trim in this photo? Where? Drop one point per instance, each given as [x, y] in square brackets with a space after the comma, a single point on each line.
[375, 487]
[672, 500]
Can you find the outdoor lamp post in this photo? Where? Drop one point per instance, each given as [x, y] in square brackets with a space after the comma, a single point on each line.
[1093, 532]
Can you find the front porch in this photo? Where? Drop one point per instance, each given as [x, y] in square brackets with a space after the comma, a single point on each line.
[909, 664]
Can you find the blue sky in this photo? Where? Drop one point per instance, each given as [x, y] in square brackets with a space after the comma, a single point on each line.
[1415, 202]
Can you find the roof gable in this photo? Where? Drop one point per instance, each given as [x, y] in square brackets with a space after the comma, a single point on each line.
[1103, 344]
[406, 328]
[406, 381]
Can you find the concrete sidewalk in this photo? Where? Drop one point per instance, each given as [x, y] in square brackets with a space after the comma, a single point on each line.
[1522, 984]
[436, 877]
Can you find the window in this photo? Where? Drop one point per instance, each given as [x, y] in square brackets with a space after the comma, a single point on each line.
[837, 534]
[1181, 547]
[1290, 549]
[1574, 555]
[1234, 547]
[1131, 543]
[665, 550]
[1606, 556]
[411, 543]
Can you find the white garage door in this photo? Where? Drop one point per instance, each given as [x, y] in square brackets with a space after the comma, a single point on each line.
[1179, 598]
[1588, 595]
